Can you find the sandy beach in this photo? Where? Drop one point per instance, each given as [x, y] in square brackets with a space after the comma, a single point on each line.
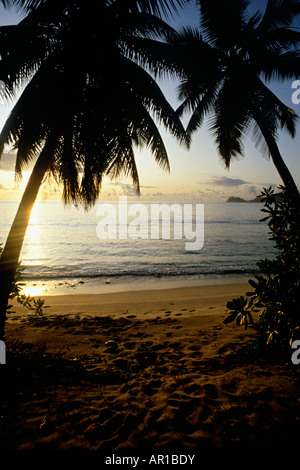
[144, 372]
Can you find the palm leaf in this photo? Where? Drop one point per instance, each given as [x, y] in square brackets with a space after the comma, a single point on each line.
[149, 92]
[158, 8]
[159, 58]
[283, 66]
[231, 119]
[279, 13]
[217, 15]
[25, 5]
[204, 108]
[285, 117]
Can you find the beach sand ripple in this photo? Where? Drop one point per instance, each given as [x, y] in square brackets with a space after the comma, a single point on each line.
[156, 382]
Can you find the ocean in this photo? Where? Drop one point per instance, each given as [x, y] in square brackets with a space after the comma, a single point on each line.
[62, 249]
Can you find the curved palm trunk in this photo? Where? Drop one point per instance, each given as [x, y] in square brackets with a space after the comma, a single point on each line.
[281, 167]
[278, 161]
[10, 255]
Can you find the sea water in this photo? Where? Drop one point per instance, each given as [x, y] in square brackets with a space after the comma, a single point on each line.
[62, 249]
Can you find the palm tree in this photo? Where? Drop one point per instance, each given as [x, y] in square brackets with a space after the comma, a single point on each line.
[226, 66]
[86, 104]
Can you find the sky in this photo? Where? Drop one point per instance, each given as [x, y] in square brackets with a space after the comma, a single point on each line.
[196, 175]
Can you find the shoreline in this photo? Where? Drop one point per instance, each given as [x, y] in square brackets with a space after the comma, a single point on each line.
[195, 299]
[46, 287]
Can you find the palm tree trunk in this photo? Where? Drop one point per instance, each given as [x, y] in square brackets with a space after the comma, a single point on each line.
[10, 255]
[278, 161]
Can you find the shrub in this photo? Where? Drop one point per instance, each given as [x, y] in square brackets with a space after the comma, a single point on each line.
[35, 305]
[276, 295]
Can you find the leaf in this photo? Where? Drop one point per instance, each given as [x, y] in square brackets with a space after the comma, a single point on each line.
[230, 305]
[252, 283]
[250, 318]
[230, 318]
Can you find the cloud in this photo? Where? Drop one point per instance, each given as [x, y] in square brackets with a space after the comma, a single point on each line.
[252, 190]
[149, 187]
[118, 183]
[228, 182]
[127, 189]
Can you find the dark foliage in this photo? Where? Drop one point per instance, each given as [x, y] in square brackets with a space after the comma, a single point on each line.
[276, 294]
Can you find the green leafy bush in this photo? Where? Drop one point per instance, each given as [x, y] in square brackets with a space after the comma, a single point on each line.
[276, 295]
[35, 305]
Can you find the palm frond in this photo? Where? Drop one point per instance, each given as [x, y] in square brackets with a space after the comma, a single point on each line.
[160, 8]
[279, 13]
[259, 140]
[23, 5]
[285, 66]
[123, 162]
[68, 167]
[264, 111]
[150, 94]
[144, 25]
[279, 40]
[217, 15]
[283, 116]
[231, 119]
[159, 58]
[200, 63]
[149, 136]
[202, 110]
[23, 50]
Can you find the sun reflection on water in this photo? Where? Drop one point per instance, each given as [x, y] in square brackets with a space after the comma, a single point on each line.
[34, 247]
[33, 290]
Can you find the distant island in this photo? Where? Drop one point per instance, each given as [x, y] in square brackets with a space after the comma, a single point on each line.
[277, 197]
[240, 199]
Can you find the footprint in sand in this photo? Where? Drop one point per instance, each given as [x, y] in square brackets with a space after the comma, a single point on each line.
[211, 392]
[152, 387]
[193, 388]
[231, 386]
[129, 344]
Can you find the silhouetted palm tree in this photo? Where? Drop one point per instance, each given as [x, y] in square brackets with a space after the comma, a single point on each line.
[226, 65]
[86, 104]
